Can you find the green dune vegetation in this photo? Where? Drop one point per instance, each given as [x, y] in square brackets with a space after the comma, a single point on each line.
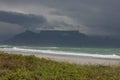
[19, 67]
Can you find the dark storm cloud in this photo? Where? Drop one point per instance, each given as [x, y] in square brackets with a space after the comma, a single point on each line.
[99, 17]
[25, 20]
[93, 17]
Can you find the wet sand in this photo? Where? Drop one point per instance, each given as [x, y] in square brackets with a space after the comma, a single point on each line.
[68, 58]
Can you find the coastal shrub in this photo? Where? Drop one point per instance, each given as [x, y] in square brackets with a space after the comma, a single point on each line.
[19, 67]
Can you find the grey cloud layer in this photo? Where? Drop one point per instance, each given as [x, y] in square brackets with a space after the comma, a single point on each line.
[25, 20]
[31, 21]
[94, 17]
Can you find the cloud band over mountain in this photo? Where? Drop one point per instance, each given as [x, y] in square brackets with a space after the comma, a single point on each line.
[25, 20]
[92, 17]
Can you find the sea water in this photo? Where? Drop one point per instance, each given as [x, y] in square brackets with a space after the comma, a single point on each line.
[77, 51]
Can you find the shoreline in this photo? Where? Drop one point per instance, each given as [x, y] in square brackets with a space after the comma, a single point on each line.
[84, 60]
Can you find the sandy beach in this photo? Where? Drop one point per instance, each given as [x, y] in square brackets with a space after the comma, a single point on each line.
[67, 58]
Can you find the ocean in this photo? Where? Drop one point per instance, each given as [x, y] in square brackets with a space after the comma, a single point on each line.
[78, 51]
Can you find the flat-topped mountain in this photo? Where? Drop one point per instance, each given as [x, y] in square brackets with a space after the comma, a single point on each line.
[47, 37]
[61, 38]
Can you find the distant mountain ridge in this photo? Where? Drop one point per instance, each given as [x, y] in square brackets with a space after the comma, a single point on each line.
[47, 37]
[60, 38]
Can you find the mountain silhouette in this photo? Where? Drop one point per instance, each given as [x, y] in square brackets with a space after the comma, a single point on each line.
[61, 38]
[47, 37]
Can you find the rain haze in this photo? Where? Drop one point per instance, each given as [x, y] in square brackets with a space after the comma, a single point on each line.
[91, 17]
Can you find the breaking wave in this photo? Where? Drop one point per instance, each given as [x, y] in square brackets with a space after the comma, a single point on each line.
[113, 56]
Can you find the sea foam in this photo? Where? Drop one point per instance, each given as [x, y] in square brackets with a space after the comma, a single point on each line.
[114, 56]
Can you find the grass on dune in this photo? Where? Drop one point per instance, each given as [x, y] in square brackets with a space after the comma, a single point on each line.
[19, 67]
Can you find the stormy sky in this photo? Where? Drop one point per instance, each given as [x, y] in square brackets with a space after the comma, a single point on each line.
[92, 17]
